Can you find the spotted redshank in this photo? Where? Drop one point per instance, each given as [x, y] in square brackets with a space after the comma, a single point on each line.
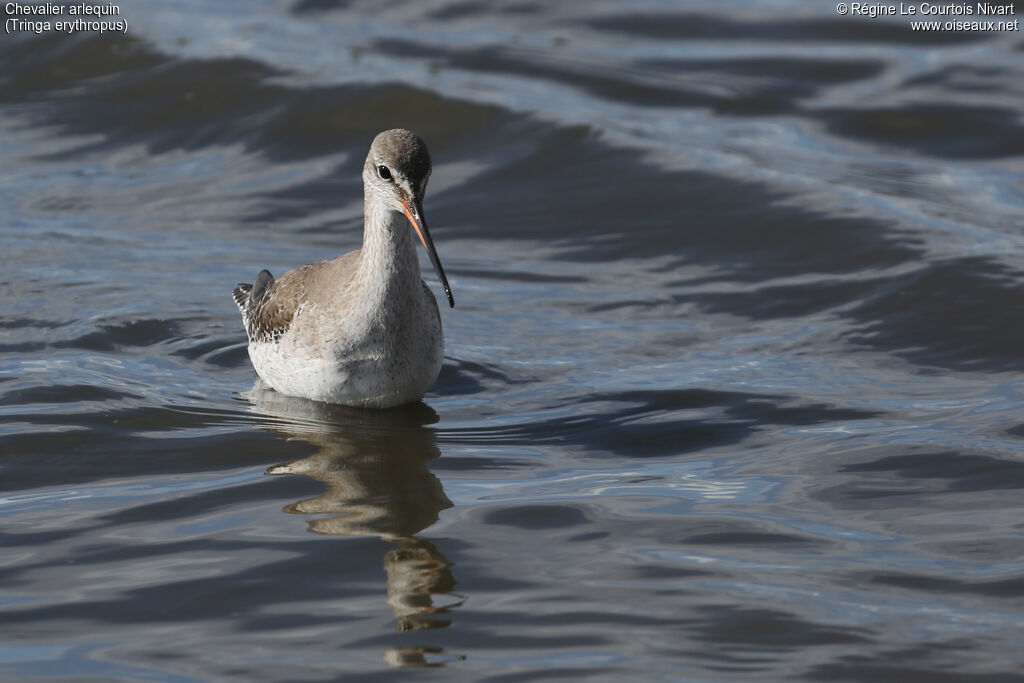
[362, 329]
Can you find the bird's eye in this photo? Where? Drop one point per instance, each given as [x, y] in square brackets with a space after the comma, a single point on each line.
[384, 172]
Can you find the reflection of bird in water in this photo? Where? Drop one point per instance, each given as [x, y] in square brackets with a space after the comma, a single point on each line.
[378, 483]
[374, 465]
[416, 573]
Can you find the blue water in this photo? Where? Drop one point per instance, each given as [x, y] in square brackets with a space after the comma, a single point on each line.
[732, 390]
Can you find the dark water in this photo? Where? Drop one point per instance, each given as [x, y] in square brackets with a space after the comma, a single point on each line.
[733, 390]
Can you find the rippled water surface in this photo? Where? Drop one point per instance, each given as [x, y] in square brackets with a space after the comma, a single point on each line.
[733, 390]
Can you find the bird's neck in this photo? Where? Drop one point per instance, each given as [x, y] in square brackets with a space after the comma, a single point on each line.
[388, 262]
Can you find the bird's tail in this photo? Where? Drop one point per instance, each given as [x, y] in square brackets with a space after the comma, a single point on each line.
[241, 296]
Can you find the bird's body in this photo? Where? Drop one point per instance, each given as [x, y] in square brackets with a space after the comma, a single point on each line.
[361, 329]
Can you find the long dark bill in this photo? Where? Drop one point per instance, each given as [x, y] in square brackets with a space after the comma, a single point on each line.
[415, 215]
